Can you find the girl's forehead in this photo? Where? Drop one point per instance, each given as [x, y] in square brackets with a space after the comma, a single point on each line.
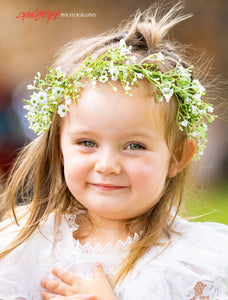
[107, 108]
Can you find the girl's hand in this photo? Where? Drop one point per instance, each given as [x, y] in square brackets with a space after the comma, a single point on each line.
[74, 287]
[76, 297]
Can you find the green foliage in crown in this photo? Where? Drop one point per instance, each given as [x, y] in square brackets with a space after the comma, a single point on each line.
[58, 90]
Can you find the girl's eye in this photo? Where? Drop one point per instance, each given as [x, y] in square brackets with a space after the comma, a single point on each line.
[87, 143]
[135, 146]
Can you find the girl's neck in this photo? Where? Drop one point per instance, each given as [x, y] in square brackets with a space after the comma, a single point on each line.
[101, 231]
[103, 237]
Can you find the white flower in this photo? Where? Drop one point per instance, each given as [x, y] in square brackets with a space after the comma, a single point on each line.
[60, 73]
[202, 111]
[62, 110]
[134, 58]
[44, 109]
[125, 74]
[30, 87]
[78, 84]
[134, 80]
[187, 100]
[184, 123]
[93, 82]
[57, 91]
[31, 113]
[204, 126]
[103, 78]
[183, 72]
[52, 100]
[58, 70]
[113, 71]
[198, 86]
[140, 75]
[89, 70]
[197, 97]
[122, 43]
[200, 152]
[210, 109]
[115, 76]
[160, 56]
[127, 87]
[45, 118]
[194, 134]
[42, 97]
[27, 107]
[167, 92]
[67, 100]
[34, 99]
[123, 48]
[194, 109]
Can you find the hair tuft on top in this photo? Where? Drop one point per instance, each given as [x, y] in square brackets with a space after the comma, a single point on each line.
[149, 28]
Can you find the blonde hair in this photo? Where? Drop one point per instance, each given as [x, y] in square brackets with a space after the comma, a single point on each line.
[31, 178]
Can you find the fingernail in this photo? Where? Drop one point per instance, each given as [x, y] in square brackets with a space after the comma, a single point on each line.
[54, 269]
[88, 296]
[42, 282]
[98, 265]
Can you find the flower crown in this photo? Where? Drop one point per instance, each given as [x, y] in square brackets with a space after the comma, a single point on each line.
[58, 90]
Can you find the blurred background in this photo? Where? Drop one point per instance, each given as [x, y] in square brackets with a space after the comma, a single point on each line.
[28, 45]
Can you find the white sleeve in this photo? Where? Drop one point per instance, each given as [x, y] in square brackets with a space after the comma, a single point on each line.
[194, 266]
[12, 276]
[22, 269]
[148, 286]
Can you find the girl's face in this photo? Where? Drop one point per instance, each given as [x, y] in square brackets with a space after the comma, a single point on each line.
[114, 152]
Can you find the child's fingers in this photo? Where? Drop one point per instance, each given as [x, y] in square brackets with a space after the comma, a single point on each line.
[88, 297]
[98, 272]
[47, 296]
[57, 287]
[66, 276]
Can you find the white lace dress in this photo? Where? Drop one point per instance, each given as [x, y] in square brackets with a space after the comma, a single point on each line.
[194, 266]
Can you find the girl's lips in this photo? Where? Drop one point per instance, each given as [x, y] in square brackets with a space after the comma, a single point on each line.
[107, 187]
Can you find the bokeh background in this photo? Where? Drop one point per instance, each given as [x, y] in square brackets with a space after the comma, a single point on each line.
[27, 47]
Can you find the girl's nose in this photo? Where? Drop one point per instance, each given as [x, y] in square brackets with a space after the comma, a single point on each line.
[108, 164]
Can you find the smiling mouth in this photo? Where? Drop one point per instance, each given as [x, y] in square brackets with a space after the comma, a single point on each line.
[107, 187]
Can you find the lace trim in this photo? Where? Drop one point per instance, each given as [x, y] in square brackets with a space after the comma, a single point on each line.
[204, 290]
[108, 249]
[98, 249]
[71, 222]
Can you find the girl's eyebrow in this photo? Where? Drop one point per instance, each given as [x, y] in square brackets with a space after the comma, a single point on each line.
[134, 133]
[75, 131]
[138, 132]
[142, 132]
[146, 133]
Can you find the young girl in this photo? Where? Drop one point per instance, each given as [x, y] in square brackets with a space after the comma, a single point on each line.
[119, 118]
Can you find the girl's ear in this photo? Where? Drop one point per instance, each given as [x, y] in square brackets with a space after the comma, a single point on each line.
[188, 151]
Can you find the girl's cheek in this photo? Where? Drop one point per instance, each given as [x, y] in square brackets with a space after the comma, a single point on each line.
[141, 174]
[72, 173]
